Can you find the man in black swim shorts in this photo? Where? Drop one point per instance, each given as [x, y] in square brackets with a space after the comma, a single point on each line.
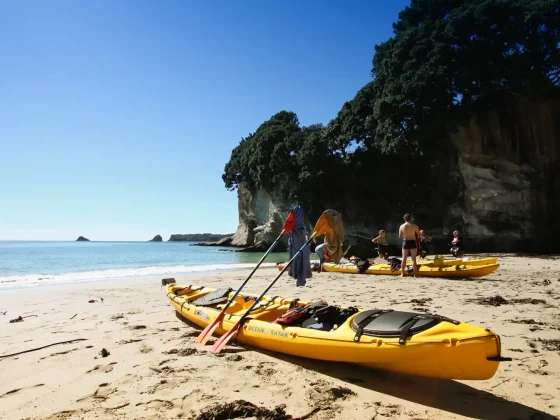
[409, 233]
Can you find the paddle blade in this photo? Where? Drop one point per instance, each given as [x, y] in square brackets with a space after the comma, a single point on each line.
[224, 339]
[207, 332]
[321, 226]
[290, 222]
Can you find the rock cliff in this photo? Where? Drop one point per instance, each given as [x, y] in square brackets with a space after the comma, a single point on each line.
[156, 238]
[82, 239]
[261, 217]
[507, 170]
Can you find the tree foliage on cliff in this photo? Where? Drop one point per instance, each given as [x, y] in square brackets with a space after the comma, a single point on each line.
[447, 60]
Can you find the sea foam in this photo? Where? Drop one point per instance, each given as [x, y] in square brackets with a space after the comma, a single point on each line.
[30, 280]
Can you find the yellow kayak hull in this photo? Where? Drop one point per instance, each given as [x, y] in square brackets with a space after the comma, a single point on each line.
[425, 270]
[445, 350]
[446, 263]
[455, 261]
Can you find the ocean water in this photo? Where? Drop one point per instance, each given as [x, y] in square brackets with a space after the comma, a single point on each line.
[26, 264]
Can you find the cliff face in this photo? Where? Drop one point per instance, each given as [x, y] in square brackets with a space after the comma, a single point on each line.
[261, 217]
[508, 172]
[508, 162]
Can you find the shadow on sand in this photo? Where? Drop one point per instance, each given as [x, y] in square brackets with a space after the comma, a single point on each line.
[442, 394]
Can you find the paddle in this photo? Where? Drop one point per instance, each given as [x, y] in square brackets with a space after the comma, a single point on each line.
[319, 229]
[210, 328]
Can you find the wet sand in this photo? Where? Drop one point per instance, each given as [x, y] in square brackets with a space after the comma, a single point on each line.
[153, 369]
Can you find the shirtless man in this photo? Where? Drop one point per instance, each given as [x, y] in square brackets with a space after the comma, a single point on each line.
[408, 233]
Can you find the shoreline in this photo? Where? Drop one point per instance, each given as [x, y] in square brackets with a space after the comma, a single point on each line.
[4, 285]
[156, 369]
[86, 277]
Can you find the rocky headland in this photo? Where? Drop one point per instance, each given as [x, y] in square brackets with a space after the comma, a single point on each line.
[202, 237]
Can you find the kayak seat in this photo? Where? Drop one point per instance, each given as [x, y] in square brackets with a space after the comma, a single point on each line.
[389, 323]
[214, 298]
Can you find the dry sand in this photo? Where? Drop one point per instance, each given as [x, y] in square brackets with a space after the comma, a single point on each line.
[155, 370]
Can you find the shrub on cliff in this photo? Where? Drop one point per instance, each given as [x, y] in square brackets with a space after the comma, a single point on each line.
[447, 60]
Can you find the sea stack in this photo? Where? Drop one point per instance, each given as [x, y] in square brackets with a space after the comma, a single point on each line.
[156, 238]
[82, 238]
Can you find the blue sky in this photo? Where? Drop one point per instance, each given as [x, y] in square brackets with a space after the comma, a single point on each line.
[117, 117]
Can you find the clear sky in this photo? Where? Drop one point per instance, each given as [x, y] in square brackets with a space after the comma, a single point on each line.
[118, 116]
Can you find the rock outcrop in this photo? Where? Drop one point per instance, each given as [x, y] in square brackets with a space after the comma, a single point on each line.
[507, 168]
[82, 239]
[156, 238]
[261, 217]
[222, 242]
[194, 237]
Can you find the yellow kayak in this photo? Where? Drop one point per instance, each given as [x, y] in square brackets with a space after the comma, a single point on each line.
[392, 340]
[455, 261]
[424, 270]
[445, 263]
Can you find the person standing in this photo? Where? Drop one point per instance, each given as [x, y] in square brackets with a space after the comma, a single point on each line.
[409, 233]
[382, 244]
[457, 244]
[424, 241]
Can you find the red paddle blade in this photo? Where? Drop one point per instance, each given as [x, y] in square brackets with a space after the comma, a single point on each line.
[224, 339]
[290, 222]
[209, 330]
[209, 333]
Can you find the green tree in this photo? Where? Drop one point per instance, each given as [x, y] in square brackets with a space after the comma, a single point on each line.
[388, 148]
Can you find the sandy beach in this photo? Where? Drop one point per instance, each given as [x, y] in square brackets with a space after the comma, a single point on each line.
[133, 358]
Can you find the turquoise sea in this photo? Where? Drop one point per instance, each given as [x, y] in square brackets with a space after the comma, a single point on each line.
[25, 264]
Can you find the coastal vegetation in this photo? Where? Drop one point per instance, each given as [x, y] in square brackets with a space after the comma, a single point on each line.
[389, 149]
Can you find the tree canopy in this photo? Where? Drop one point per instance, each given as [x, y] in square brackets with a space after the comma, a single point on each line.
[446, 60]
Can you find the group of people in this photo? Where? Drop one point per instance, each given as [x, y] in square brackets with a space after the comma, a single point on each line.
[414, 243]
[413, 238]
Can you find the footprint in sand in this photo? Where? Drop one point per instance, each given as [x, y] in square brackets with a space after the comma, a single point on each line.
[161, 384]
[158, 404]
[103, 368]
[184, 352]
[59, 353]
[234, 357]
[102, 393]
[145, 349]
[134, 340]
[14, 391]
[190, 334]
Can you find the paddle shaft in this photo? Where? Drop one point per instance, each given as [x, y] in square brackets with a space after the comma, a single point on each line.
[209, 330]
[225, 338]
[254, 269]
